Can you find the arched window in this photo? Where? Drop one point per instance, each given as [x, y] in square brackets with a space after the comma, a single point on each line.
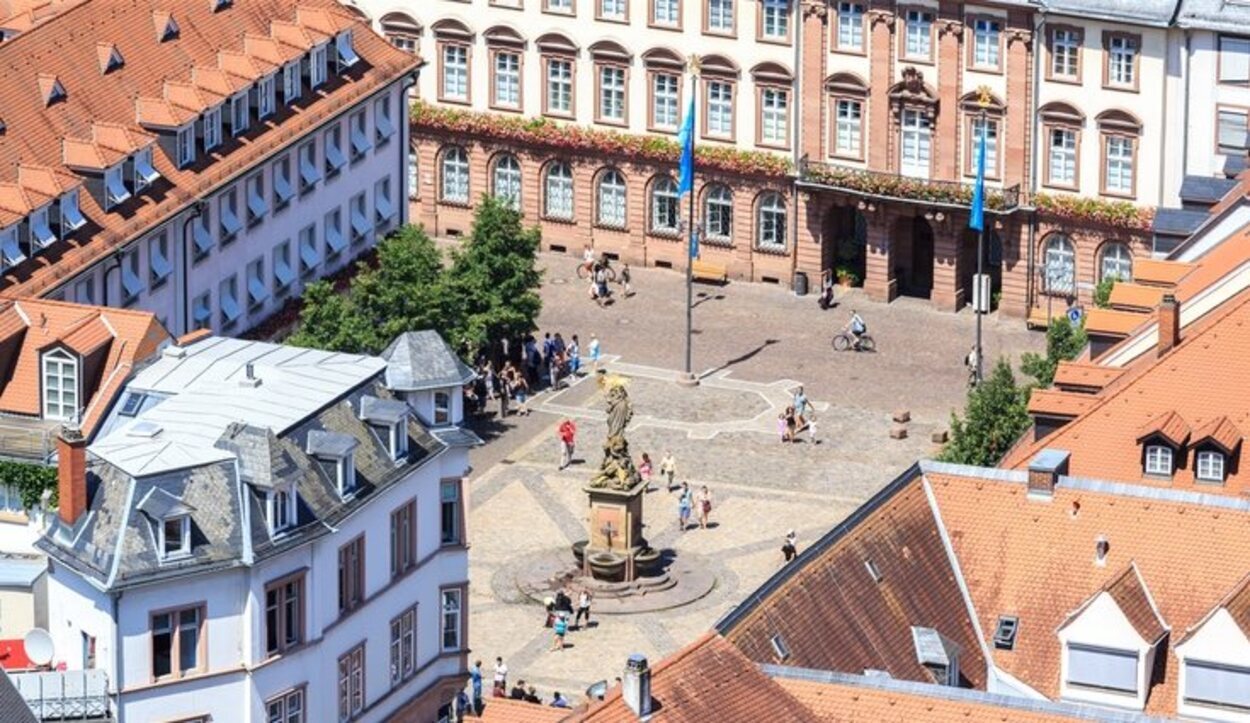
[402, 31]
[558, 192]
[1060, 265]
[718, 212]
[611, 199]
[507, 182]
[1116, 262]
[455, 176]
[664, 206]
[771, 221]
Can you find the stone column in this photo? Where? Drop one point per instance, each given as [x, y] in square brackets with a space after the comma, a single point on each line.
[813, 208]
[880, 136]
[948, 292]
[946, 136]
[879, 281]
[1014, 301]
[811, 96]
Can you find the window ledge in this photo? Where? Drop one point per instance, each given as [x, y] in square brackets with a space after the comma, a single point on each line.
[772, 250]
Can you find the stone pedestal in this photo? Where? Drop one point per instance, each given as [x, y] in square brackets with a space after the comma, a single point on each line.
[615, 525]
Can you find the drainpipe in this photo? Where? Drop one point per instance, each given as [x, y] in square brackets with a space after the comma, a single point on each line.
[116, 260]
[117, 659]
[197, 210]
[409, 81]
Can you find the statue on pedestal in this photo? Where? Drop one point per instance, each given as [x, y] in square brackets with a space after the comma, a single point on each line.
[616, 471]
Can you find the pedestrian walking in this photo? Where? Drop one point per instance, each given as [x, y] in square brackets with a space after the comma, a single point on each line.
[791, 425]
[781, 426]
[800, 408]
[553, 370]
[462, 705]
[560, 627]
[668, 470]
[595, 351]
[575, 356]
[501, 677]
[684, 504]
[475, 677]
[583, 608]
[644, 470]
[601, 284]
[623, 276]
[789, 549]
[568, 435]
[520, 390]
[704, 504]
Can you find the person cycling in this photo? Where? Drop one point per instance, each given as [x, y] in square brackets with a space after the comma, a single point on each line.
[857, 327]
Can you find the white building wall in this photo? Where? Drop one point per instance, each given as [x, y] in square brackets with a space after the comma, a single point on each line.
[1102, 624]
[1220, 640]
[166, 301]
[76, 608]
[1203, 98]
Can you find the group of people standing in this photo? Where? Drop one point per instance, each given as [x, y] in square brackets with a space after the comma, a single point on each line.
[599, 272]
[796, 418]
[541, 367]
[466, 705]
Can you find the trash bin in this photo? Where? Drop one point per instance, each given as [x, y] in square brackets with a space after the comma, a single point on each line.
[800, 283]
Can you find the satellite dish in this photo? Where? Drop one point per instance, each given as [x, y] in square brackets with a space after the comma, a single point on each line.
[38, 644]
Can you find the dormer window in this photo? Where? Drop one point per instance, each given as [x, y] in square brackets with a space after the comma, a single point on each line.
[186, 146]
[211, 127]
[317, 66]
[291, 83]
[280, 508]
[345, 52]
[1159, 460]
[239, 116]
[115, 191]
[176, 537]
[389, 420]
[145, 172]
[336, 452]
[345, 473]
[10, 250]
[1099, 668]
[60, 386]
[1210, 466]
[40, 231]
[266, 96]
[71, 216]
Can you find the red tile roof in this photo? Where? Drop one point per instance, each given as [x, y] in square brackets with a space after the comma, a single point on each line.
[1129, 593]
[1220, 432]
[98, 122]
[1079, 376]
[505, 710]
[1058, 403]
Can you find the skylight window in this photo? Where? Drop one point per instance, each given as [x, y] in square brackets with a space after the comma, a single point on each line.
[873, 570]
[1005, 633]
[779, 647]
[132, 404]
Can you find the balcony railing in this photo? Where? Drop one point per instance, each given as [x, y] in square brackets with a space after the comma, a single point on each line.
[875, 184]
[65, 695]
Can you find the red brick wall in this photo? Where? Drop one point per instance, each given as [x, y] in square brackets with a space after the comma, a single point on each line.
[1087, 242]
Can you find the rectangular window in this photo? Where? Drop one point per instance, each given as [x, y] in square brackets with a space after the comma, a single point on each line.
[1211, 466]
[1065, 53]
[361, 227]
[158, 261]
[257, 289]
[286, 708]
[335, 240]
[1103, 668]
[666, 13]
[383, 206]
[611, 93]
[60, 385]
[850, 26]
[145, 173]
[352, 683]
[309, 172]
[335, 160]
[360, 135]
[383, 126]
[266, 96]
[404, 645]
[720, 16]
[240, 115]
[1122, 61]
[1118, 169]
[564, 7]
[291, 86]
[720, 109]
[1233, 129]
[849, 131]
[211, 128]
[177, 639]
[228, 215]
[916, 142]
[989, 128]
[1234, 60]
[1218, 684]
[559, 86]
[455, 85]
[202, 310]
[284, 614]
[10, 248]
[774, 116]
[283, 191]
[318, 65]
[283, 271]
[186, 146]
[775, 20]
[228, 297]
[613, 10]
[308, 255]
[403, 538]
[450, 513]
[664, 100]
[352, 575]
[202, 234]
[1159, 460]
[918, 39]
[115, 191]
[71, 218]
[41, 235]
[507, 83]
[257, 206]
[451, 626]
[986, 34]
[1061, 161]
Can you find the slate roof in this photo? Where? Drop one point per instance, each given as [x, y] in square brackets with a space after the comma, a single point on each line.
[1177, 221]
[423, 360]
[1219, 15]
[1157, 13]
[98, 115]
[1205, 190]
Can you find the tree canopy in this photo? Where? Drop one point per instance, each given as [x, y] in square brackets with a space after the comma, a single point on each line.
[1064, 341]
[996, 415]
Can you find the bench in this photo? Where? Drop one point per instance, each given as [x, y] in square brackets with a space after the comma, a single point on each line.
[708, 271]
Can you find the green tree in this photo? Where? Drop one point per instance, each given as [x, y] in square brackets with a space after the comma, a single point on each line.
[1102, 292]
[328, 321]
[494, 279]
[1064, 341]
[996, 415]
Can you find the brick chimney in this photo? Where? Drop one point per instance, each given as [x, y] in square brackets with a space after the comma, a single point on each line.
[71, 474]
[1045, 470]
[1169, 323]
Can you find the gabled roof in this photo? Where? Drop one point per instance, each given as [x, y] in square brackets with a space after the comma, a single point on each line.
[1129, 592]
[1168, 426]
[419, 360]
[1221, 432]
[1237, 604]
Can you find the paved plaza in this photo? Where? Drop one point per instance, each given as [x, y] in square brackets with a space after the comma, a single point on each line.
[754, 344]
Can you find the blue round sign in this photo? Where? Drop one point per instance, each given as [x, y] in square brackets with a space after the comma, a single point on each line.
[1075, 314]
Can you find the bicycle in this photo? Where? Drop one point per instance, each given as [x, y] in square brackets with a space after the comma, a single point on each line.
[586, 270]
[846, 340]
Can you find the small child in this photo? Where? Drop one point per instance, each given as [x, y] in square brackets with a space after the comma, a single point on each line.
[644, 469]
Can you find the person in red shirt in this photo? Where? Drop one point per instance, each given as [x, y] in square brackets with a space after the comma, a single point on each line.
[567, 432]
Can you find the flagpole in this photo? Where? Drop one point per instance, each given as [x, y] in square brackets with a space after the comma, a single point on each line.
[689, 378]
[979, 287]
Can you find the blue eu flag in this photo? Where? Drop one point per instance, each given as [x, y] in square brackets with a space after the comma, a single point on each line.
[976, 221]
